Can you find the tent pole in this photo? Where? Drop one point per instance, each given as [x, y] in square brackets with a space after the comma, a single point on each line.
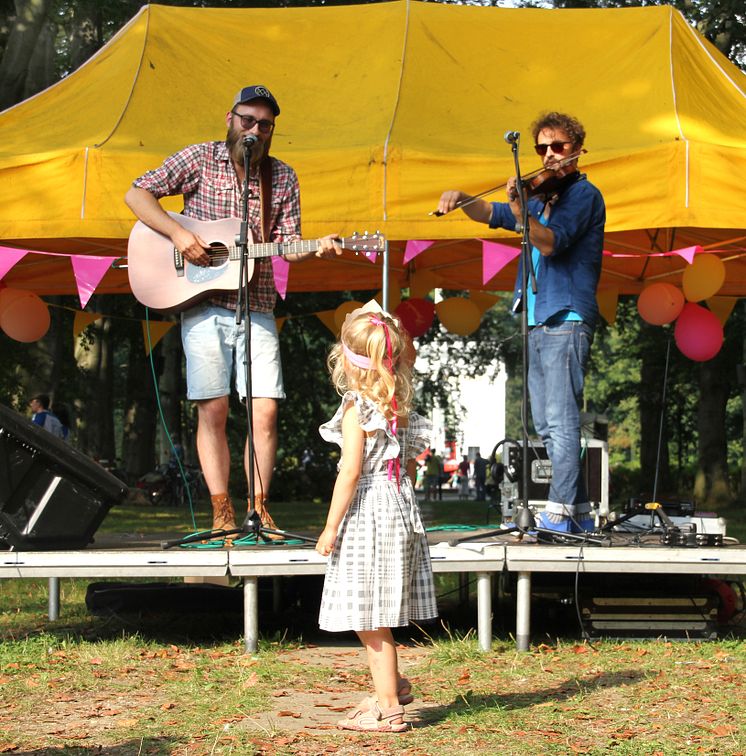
[385, 275]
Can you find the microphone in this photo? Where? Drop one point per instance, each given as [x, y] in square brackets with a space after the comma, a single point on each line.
[249, 141]
[511, 137]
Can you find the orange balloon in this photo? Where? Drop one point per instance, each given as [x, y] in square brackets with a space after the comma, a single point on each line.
[458, 315]
[660, 303]
[24, 317]
[703, 278]
[8, 296]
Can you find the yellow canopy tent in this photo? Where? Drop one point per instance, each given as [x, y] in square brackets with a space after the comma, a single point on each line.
[384, 106]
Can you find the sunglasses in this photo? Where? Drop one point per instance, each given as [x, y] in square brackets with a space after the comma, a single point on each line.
[248, 122]
[557, 147]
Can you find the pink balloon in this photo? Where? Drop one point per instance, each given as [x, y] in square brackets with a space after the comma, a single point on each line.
[698, 333]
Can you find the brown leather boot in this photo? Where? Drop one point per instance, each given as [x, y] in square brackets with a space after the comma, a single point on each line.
[260, 507]
[223, 515]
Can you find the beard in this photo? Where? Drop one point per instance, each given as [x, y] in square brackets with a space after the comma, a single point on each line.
[234, 142]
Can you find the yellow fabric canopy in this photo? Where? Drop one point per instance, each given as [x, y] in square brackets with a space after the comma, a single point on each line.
[384, 106]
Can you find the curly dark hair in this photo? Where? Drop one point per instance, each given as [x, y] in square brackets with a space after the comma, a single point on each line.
[571, 126]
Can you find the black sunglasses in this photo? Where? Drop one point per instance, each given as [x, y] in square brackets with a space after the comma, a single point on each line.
[557, 147]
[248, 122]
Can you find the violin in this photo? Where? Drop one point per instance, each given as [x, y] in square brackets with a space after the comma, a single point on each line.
[542, 183]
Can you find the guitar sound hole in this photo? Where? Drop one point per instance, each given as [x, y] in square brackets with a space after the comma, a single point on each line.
[218, 255]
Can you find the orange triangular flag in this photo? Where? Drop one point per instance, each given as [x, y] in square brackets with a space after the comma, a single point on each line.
[327, 318]
[722, 307]
[82, 320]
[158, 329]
[608, 299]
[483, 300]
[279, 323]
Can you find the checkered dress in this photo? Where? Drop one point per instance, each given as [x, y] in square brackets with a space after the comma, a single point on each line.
[379, 573]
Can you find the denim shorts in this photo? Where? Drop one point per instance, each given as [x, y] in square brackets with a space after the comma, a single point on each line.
[214, 347]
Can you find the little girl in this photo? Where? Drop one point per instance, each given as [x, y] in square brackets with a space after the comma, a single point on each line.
[379, 574]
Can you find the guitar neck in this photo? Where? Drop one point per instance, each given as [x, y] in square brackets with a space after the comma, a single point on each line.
[272, 249]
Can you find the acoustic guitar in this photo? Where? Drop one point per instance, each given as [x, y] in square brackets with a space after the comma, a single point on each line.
[163, 280]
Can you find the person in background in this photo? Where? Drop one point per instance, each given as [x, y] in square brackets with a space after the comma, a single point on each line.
[480, 476]
[44, 417]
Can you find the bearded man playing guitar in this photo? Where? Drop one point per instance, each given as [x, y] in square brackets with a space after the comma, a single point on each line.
[211, 176]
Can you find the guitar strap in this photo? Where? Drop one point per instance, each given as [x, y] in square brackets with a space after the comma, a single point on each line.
[265, 196]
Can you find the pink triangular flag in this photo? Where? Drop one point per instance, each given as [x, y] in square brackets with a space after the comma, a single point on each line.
[495, 257]
[89, 270]
[413, 248]
[281, 269]
[687, 252]
[9, 256]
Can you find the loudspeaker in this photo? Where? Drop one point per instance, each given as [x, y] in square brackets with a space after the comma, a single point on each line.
[51, 495]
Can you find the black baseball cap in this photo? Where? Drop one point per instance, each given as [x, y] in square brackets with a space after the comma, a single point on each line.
[257, 92]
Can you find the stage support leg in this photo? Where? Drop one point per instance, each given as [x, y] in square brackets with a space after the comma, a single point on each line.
[484, 610]
[251, 614]
[523, 611]
[54, 598]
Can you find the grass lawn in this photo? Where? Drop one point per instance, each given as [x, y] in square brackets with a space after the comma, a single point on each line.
[157, 682]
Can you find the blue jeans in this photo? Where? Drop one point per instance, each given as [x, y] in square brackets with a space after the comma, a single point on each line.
[557, 363]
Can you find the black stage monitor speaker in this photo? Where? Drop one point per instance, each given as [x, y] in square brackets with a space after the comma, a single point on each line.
[51, 495]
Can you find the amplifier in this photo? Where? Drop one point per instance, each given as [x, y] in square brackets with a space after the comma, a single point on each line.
[595, 460]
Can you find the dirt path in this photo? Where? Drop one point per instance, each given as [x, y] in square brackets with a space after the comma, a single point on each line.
[314, 709]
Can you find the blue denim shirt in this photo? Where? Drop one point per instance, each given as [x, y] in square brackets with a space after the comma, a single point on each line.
[569, 275]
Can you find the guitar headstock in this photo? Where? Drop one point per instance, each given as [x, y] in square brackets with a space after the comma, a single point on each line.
[364, 242]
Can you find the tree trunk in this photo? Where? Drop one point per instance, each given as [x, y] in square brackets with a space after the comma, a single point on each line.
[655, 471]
[140, 411]
[41, 72]
[22, 41]
[711, 485]
[172, 394]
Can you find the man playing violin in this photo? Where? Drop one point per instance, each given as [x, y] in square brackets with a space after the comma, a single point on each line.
[566, 231]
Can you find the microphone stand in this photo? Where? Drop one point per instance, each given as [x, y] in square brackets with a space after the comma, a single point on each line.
[252, 524]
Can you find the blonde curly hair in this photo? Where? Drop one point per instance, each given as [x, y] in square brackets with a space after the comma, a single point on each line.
[386, 381]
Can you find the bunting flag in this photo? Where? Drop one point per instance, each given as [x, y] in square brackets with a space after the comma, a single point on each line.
[483, 300]
[608, 299]
[281, 269]
[279, 323]
[413, 248]
[9, 256]
[722, 307]
[421, 283]
[687, 252]
[327, 318]
[158, 329]
[82, 320]
[89, 270]
[495, 257]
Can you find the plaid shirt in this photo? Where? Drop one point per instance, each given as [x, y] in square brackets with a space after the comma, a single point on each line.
[204, 174]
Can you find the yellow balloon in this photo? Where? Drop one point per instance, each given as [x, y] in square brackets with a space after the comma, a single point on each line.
[458, 315]
[343, 311]
[703, 278]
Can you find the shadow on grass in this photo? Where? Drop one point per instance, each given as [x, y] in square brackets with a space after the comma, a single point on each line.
[142, 746]
[470, 704]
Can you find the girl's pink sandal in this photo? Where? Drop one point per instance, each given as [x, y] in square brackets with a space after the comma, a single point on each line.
[375, 720]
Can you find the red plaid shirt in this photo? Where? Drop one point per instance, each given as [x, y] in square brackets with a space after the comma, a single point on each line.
[205, 175]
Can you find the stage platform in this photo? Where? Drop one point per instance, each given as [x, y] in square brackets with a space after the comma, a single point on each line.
[485, 557]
